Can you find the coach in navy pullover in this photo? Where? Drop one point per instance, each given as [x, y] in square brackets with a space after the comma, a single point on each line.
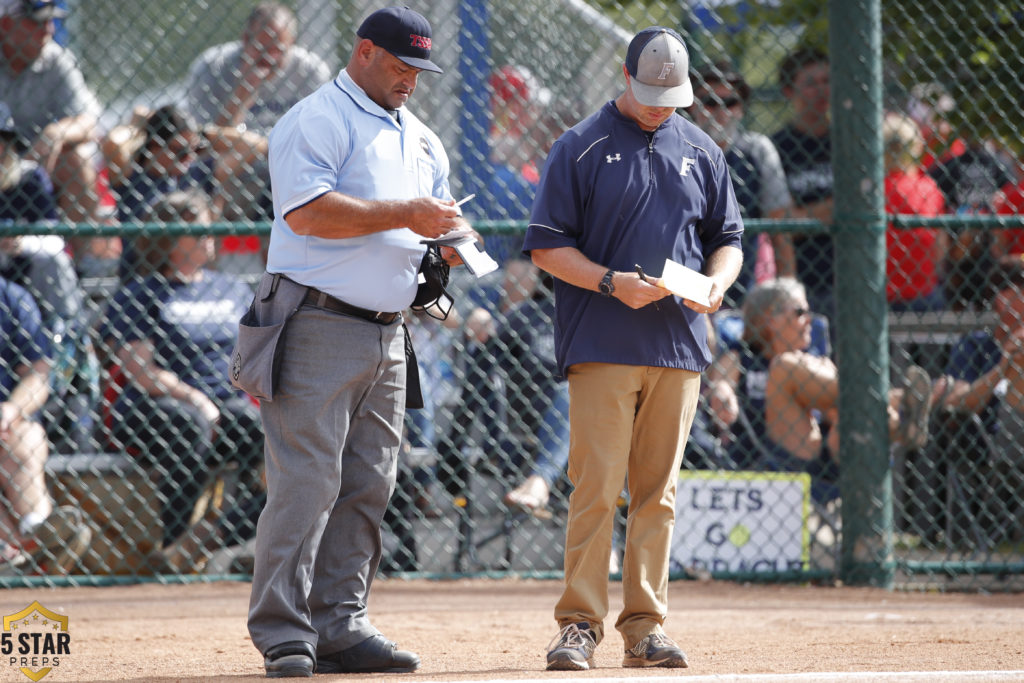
[632, 185]
[624, 196]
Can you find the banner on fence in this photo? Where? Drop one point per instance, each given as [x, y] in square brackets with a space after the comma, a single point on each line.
[741, 521]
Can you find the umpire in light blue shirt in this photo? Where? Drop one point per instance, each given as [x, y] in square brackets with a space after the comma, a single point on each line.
[358, 181]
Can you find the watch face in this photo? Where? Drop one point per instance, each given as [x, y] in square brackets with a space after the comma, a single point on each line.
[606, 286]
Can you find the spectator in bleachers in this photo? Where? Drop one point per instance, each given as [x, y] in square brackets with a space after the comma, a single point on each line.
[986, 378]
[930, 105]
[518, 103]
[172, 334]
[524, 124]
[26, 192]
[418, 456]
[970, 182]
[41, 265]
[480, 416]
[1010, 202]
[248, 85]
[50, 537]
[54, 110]
[783, 396]
[538, 400]
[915, 255]
[805, 148]
[720, 99]
[170, 154]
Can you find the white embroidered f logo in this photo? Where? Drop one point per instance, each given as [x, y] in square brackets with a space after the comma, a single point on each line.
[666, 69]
[687, 165]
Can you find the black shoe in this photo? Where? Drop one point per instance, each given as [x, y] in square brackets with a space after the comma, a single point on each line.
[294, 659]
[376, 654]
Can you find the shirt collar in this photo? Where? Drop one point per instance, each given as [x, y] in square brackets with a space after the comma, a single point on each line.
[348, 86]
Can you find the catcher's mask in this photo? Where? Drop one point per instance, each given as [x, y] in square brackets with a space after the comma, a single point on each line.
[432, 297]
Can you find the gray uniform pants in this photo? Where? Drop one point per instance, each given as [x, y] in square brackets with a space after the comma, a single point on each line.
[332, 438]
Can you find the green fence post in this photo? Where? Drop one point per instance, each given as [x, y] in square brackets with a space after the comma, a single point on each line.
[862, 339]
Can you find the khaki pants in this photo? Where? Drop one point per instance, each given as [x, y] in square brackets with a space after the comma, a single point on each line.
[627, 422]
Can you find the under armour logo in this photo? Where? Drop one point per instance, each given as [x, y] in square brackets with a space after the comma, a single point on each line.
[687, 165]
[609, 158]
[666, 69]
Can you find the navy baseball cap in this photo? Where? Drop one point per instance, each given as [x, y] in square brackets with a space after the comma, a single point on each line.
[402, 32]
[659, 68]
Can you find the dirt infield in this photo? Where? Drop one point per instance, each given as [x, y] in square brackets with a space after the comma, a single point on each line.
[486, 630]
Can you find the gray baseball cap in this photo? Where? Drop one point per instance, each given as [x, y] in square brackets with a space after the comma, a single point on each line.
[659, 68]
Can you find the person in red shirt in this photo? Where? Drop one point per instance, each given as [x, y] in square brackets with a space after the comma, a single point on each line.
[914, 254]
[930, 105]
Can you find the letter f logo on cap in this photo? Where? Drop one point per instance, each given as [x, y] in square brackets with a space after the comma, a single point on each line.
[658, 66]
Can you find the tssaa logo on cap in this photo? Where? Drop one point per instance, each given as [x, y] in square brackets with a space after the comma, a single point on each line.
[422, 42]
[35, 641]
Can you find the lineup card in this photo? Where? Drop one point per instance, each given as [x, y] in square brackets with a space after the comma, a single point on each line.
[686, 282]
[478, 261]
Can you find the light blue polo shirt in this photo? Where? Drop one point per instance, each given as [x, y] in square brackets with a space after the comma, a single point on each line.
[338, 139]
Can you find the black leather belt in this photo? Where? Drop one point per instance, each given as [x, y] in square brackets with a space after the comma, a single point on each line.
[327, 302]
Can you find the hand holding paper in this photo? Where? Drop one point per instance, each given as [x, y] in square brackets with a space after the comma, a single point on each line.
[686, 282]
[464, 242]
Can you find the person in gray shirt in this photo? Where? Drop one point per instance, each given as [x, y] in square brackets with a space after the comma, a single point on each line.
[248, 84]
[720, 98]
[52, 107]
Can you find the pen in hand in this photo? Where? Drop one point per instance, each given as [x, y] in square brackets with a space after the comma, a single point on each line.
[643, 276]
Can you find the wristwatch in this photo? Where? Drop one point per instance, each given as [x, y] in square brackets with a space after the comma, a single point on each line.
[606, 287]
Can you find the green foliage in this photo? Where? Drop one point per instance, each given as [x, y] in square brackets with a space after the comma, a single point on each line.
[971, 47]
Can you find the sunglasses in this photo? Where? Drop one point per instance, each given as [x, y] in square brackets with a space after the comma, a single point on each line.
[712, 102]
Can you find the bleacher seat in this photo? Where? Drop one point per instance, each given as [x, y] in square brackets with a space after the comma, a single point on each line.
[120, 501]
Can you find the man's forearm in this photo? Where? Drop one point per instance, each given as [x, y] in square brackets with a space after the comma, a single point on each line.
[33, 390]
[723, 266]
[335, 215]
[568, 264]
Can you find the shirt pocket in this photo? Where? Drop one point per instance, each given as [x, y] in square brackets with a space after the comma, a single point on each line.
[424, 177]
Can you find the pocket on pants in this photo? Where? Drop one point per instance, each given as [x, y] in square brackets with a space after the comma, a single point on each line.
[256, 360]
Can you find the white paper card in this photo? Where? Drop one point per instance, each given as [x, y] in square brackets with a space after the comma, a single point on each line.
[450, 239]
[686, 282]
[473, 255]
[478, 261]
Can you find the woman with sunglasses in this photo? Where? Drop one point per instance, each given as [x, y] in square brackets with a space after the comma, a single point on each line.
[779, 390]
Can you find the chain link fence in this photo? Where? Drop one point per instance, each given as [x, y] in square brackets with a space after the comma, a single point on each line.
[137, 240]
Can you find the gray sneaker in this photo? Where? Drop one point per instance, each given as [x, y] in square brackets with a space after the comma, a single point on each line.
[915, 409]
[60, 541]
[656, 649]
[572, 649]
